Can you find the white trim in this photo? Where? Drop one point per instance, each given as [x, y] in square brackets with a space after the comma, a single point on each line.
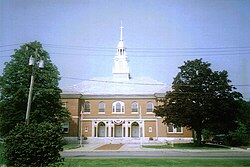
[134, 112]
[114, 109]
[87, 113]
[64, 104]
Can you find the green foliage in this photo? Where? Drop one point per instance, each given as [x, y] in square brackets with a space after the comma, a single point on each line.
[14, 85]
[2, 160]
[201, 99]
[241, 136]
[34, 145]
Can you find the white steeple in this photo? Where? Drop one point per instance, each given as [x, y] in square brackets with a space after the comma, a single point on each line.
[121, 68]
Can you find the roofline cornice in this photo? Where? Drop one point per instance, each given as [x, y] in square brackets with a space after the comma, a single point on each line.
[71, 96]
[112, 96]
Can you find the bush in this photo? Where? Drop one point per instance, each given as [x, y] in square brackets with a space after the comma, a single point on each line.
[34, 145]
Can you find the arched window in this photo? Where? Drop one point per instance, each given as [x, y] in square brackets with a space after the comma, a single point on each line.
[86, 107]
[150, 107]
[118, 107]
[101, 107]
[134, 107]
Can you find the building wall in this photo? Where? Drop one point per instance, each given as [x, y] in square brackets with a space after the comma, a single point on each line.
[86, 128]
[162, 132]
[150, 122]
[73, 107]
[94, 107]
[150, 128]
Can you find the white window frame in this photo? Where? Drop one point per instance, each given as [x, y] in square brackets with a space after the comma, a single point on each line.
[174, 129]
[114, 109]
[65, 125]
[150, 129]
[64, 104]
[86, 129]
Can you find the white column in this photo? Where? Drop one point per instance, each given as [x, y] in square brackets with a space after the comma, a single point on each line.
[96, 129]
[126, 128]
[109, 132]
[93, 128]
[105, 130]
[122, 131]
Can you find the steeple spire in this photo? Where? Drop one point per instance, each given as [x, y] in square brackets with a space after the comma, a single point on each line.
[121, 68]
[121, 39]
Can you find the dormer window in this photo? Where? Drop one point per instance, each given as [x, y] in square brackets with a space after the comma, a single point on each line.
[118, 107]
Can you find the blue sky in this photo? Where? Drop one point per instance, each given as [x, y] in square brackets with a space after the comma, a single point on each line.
[81, 35]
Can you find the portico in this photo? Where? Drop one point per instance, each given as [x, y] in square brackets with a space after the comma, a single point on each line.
[114, 128]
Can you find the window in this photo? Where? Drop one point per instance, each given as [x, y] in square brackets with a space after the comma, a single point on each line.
[101, 107]
[64, 104]
[150, 129]
[134, 107]
[65, 127]
[150, 107]
[86, 107]
[86, 129]
[172, 129]
[118, 107]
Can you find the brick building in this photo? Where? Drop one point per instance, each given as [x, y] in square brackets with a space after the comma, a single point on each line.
[118, 108]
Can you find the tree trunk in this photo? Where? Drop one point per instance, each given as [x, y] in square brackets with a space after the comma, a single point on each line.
[198, 136]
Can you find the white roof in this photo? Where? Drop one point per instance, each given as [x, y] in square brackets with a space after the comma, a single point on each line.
[112, 86]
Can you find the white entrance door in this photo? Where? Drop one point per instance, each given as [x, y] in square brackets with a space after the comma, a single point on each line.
[135, 130]
[118, 131]
[101, 131]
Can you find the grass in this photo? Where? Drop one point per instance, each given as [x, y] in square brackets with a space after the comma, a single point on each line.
[71, 146]
[187, 146]
[173, 162]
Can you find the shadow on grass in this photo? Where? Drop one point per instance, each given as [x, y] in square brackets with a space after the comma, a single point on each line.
[187, 146]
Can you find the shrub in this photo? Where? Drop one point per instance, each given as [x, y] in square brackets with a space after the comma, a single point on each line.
[34, 145]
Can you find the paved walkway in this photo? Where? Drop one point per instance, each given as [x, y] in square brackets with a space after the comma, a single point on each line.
[136, 148]
[111, 147]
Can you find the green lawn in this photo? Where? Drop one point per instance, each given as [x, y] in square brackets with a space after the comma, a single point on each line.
[71, 146]
[187, 146]
[141, 162]
[173, 162]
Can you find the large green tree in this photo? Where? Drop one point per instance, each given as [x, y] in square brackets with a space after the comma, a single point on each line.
[201, 99]
[14, 86]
